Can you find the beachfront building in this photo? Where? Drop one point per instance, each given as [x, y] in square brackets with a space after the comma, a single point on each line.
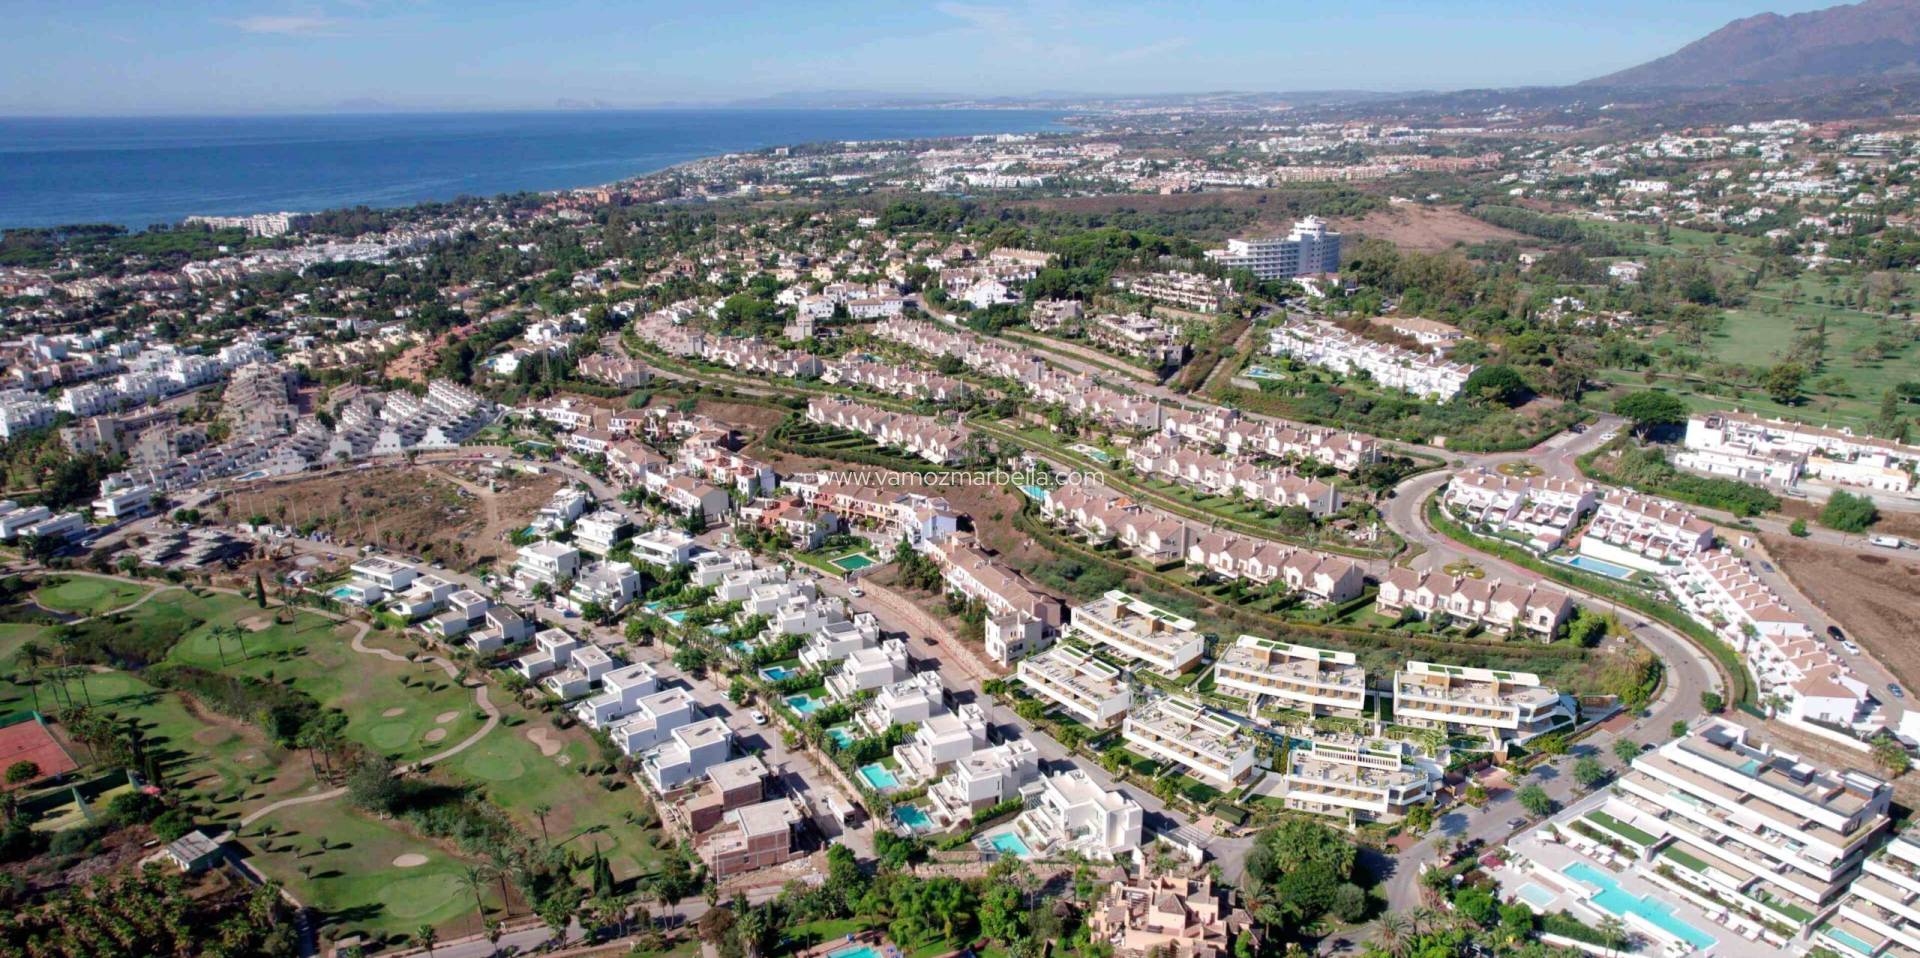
[1750, 824]
[1179, 730]
[1138, 631]
[1498, 705]
[1268, 673]
[1071, 813]
[1358, 778]
[1073, 678]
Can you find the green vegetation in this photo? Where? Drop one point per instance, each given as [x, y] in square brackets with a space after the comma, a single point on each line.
[1647, 470]
[1848, 512]
[86, 594]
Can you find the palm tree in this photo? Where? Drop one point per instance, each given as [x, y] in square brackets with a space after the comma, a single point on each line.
[540, 812]
[475, 878]
[1393, 933]
[427, 938]
[34, 653]
[1614, 931]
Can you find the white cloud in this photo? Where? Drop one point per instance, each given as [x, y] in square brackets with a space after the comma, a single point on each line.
[290, 26]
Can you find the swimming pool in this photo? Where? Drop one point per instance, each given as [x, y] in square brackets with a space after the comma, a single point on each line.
[346, 593]
[879, 776]
[1536, 896]
[802, 703]
[912, 817]
[840, 736]
[1619, 901]
[256, 474]
[1007, 843]
[854, 562]
[1851, 941]
[777, 673]
[1035, 493]
[858, 951]
[1609, 569]
[677, 617]
[1091, 452]
[1262, 372]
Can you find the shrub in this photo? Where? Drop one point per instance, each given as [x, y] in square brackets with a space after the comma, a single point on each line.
[1847, 512]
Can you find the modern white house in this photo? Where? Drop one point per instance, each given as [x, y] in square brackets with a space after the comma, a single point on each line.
[941, 740]
[610, 585]
[691, 751]
[1073, 813]
[621, 690]
[664, 547]
[546, 563]
[598, 532]
[984, 779]
[585, 665]
[552, 649]
[869, 669]
[653, 718]
[912, 700]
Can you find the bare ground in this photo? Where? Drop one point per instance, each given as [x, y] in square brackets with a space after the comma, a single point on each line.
[1426, 228]
[1903, 524]
[1872, 597]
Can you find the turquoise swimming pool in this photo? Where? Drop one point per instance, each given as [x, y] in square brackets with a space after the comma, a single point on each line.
[677, 617]
[912, 817]
[1536, 896]
[344, 592]
[1611, 570]
[1035, 493]
[1851, 941]
[802, 703]
[879, 777]
[854, 562]
[1007, 843]
[1619, 901]
[777, 673]
[840, 736]
[1094, 453]
[858, 951]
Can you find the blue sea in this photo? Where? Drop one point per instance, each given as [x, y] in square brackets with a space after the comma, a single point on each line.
[142, 171]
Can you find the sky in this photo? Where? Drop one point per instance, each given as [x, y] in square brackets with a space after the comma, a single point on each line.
[213, 57]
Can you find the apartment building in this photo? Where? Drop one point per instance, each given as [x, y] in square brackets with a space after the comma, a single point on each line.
[1751, 824]
[1498, 705]
[1358, 778]
[1073, 814]
[1171, 916]
[1753, 449]
[1071, 677]
[1311, 247]
[921, 436]
[546, 563]
[1880, 914]
[942, 739]
[691, 750]
[754, 837]
[1240, 436]
[1021, 620]
[1221, 476]
[1212, 749]
[1493, 603]
[1268, 673]
[1644, 532]
[1543, 508]
[1320, 343]
[1138, 631]
[1188, 291]
[1142, 337]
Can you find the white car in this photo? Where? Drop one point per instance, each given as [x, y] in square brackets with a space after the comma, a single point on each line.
[1850, 647]
[856, 592]
[759, 717]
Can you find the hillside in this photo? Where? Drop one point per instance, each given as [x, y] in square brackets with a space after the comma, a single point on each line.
[1875, 38]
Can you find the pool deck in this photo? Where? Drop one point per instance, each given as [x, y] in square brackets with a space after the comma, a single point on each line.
[1541, 862]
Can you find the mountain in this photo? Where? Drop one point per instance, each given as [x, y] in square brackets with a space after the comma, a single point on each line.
[1876, 38]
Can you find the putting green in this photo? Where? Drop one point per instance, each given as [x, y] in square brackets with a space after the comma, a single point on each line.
[493, 766]
[417, 895]
[387, 736]
[86, 595]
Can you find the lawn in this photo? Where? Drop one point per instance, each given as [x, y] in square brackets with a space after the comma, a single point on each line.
[86, 594]
[518, 773]
[358, 883]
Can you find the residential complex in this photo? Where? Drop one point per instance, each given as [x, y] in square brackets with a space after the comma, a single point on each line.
[1496, 705]
[1169, 915]
[1270, 673]
[1308, 249]
[1211, 748]
[1073, 678]
[1321, 343]
[1777, 452]
[1358, 778]
[1542, 509]
[1138, 631]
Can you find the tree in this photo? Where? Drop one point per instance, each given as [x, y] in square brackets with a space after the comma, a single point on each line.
[1848, 512]
[1626, 750]
[1420, 818]
[1589, 772]
[1783, 383]
[1891, 756]
[1678, 728]
[1496, 384]
[1535, 800]
[1649, 409]
[1711, 701]
[427, 938]
[1798, 528]
[259, 590]
[22, 771]
[540, 811]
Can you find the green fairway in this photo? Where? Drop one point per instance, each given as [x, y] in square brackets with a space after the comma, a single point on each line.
[86, 594]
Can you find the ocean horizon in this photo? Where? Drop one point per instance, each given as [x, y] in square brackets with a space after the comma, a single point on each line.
[144, 171]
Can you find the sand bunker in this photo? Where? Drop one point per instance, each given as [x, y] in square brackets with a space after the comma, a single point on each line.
[544, 737]
[390, 713]
[410, 860]
[256, 623]
[445, 717]
[435, 735]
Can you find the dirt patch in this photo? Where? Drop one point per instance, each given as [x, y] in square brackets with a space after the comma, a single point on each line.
[1426, 228]
[410, 860]
[434, 735]
[546, 739]
[749, 418]
[392, 712]
[212, 736]
[1871, 597]
[1903, 524]
[257, 623]
[445, 717]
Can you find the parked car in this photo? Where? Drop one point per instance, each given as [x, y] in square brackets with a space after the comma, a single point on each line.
[1834, 633]
[1887, 542]
[1895, 689]
[1764, 564]
[759, 717]
[1851, 648]
[856, 592]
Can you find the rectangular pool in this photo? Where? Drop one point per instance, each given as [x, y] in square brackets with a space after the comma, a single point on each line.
[777, 673]
[802, 703]
[879, 777]
[1601, 566]
[858, 951]
[1536, 896]
[840, 736]
[1619, 901]
[854, 562]
[912, 817]
[1008, 843]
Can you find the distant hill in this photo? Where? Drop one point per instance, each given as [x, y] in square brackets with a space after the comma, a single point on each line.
[1876, 38]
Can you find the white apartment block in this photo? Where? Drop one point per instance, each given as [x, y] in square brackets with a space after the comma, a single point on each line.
[984, 779]
[1320, 343]
[1138, 631]
[1270, 673]
[1499, 705]
[1178, 730]
[1189, 291]
[1072, 813]
[942, 739]
[546, 563]
[1754, 449]
[1881, 906]
[1358, 778]
[1093, 692]
[1764, 827]
[1644, 531]
[690, 752]
[1309, 248]
[1544, 508]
